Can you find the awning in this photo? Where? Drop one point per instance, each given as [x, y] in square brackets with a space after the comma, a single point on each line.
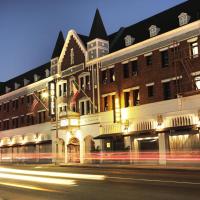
[190, 129]
[108, 136]
[142, 133]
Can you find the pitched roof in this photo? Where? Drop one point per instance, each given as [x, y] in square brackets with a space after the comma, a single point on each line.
[166, 21]
[59, 45]
[29, 75]
[84, 39]
[97, 30]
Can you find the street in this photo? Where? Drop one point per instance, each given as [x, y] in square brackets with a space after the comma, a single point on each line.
[71, 183]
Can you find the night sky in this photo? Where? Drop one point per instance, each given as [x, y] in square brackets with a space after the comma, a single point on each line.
[29, 28]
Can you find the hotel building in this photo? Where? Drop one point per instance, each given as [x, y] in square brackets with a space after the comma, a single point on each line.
[138, 91]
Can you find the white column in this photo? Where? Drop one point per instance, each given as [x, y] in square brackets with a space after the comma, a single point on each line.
[82, 151]
[162, 148]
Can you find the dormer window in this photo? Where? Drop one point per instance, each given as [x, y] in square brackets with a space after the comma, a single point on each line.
[129, 40]
[47, 73]
[26, 82]
[153, 30]
[36, 77]
[184, 19]
[8, 89]
[17, 85]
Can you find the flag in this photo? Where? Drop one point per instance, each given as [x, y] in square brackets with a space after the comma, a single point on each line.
[34, 104]
[75, 94]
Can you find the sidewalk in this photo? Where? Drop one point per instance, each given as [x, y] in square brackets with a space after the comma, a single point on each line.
[134, 167]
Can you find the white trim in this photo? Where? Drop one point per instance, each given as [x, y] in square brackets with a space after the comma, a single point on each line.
[164, 49]
[108, 94]
[148, 54]
[125, 62]
[130, 89]
[5, 119]
[166, 80]
[195, 73]
[71, 33]
[192, 40]
[171, 79]
[15, 117]
[42, 110]
[111, 66]
[154, 40]
[150, 84]
[133, 59]
[31, 113]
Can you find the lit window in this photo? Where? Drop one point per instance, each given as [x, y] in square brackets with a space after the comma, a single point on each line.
[197, 81]
[84, 81]
[194, 49]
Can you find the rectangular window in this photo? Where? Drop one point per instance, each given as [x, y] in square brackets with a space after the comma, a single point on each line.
[126, 70]
[165, 58]
[7, 106]
[150, 91]
[136, 97]
[22, 120]
[126, 99]
[194, 49]
[87, 79]
[82, 85]
[134, 65]
[112, 74]
[104, 77]
[60, 90]
[88, 110]
[22, 100]
[82, 108]
[166, 91]
[149, 60]
[105, 103]
[64, 88]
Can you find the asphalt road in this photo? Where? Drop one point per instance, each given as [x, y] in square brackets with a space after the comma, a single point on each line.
[42, 183]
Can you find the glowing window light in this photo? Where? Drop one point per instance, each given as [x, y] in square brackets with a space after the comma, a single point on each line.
[74, 122]
[64, 122]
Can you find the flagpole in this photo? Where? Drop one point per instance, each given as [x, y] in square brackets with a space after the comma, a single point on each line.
[85, 94]
[40, 101]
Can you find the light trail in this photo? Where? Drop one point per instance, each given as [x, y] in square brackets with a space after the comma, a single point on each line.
[155, 180]
[54, 174]
[37, 179]
[27, 187]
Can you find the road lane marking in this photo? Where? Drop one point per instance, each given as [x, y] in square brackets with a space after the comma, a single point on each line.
[156, 180]
[38, 179]
[54, 174]
[27, 187]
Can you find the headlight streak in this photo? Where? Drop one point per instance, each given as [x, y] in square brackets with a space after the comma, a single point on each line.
[54, 174]
[27, 187]
[37, 179]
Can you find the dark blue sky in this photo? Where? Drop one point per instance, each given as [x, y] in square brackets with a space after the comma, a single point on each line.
[29, 28]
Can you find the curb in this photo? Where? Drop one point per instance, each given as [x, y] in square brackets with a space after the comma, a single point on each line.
[133, 167]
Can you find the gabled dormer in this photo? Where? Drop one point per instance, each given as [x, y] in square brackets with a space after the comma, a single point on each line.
[98, 44]
[153, 30]
[36, 77]
[129, 40]
[16, 85]
[8, 89]
[26, 82]
[183, 18]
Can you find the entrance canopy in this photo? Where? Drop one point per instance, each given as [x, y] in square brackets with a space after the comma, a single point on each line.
[107, 136]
